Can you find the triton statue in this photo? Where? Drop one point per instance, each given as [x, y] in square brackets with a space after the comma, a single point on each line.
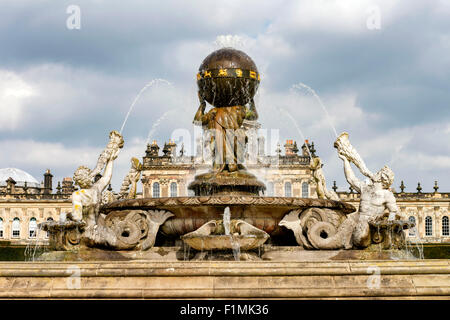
[86, 202]
[376, 195]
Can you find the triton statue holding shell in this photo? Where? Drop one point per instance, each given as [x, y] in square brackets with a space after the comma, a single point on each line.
[86, 202]
[377, 200]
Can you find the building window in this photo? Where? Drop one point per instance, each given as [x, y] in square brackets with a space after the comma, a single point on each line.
[49, 219]
[32, 227]
[428, 226]
[412, 231]
[445, 227]
[173, 189]
[287, 189]
[1, 228]
[16, 228]
[156, 190]
[305, 190]
[270, 189]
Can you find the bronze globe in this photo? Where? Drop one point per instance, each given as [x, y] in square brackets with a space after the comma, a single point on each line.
[227, 77]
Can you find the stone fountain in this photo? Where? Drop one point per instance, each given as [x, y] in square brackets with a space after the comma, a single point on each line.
[228, 80]
[339, 252]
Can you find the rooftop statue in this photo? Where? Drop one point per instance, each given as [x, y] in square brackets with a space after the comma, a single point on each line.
[319, 178]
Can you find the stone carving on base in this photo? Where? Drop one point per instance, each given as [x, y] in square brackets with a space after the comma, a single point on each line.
[65, 235]
[212, 236]
[321, 228]
[126, 230]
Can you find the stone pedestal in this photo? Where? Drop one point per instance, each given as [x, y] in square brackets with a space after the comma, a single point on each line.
[226, 280]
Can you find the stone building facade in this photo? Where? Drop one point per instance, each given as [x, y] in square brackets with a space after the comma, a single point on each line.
[169, 174]
[24, 203]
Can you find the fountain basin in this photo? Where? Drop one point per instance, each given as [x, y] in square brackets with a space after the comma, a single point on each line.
[225, 242]
[190, 213]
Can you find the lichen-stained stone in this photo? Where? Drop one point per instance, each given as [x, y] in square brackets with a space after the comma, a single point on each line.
[222, 279]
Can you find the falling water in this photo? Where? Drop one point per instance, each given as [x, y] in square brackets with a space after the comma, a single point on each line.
[235, 246]
[34, 245]
[226, 220]
[236, 249]
[300, 86]
[233, 41]
[296, 126]
[148, 85]
[156, 124]
[417, 242]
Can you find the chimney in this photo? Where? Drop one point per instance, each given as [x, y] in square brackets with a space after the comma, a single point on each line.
[48, 182]
[152, 150]
[11, 186]
[172, 147]
[67, 185]
[289, 148]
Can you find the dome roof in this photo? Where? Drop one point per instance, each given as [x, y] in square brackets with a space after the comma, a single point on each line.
[19, 176]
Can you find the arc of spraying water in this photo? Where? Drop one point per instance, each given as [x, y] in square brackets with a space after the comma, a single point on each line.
[157, 123]
[148, 85]
[300, 86]
[296, 126]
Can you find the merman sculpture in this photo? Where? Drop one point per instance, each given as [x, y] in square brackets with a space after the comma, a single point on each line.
[86, 226]
[376, 199]
[86, 202]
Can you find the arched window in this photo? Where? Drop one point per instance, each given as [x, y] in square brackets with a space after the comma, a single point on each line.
[48, 219]
[32, 227]
[156, 190]
[270, 189]
[287, 189]
[173, 189]
[412, 231]
[445, 226]
[305, 190]
[428, 226]
[1, 228]
[16, 228]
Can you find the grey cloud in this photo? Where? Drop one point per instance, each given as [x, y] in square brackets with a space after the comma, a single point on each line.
[398, 74]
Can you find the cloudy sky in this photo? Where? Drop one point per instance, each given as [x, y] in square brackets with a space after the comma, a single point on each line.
[381, 69]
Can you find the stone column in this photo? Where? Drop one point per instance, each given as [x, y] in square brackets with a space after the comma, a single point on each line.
[164, 187]
[181, 187]
[438, 225]
[420, 222]
[278, 188]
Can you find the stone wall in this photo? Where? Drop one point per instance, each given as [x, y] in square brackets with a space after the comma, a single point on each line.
[222, 280]
[25, 210]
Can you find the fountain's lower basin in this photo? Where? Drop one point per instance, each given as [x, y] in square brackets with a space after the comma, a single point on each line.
[225, 242]
[190, 213]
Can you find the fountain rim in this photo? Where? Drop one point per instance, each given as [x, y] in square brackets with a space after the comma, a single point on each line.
[225, 200]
